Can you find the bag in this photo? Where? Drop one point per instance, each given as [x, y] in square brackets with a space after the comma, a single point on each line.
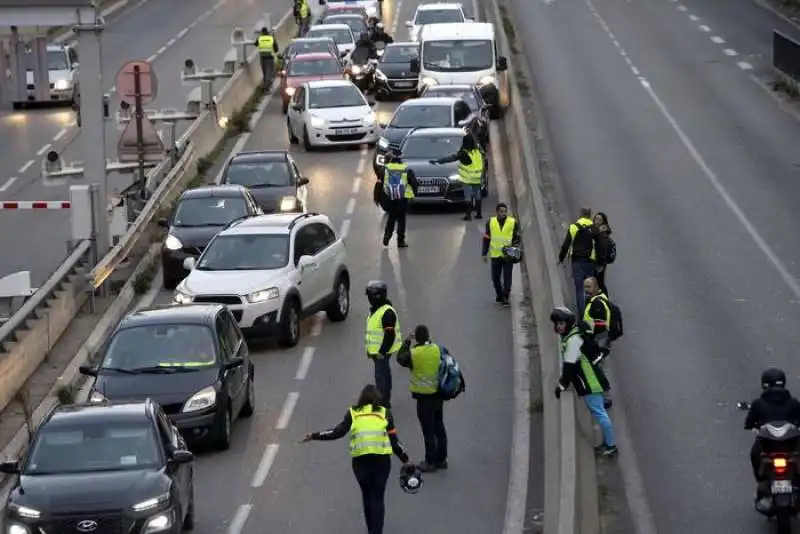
[611, 254]
[615, 331]
[451, 380]
[394, 185]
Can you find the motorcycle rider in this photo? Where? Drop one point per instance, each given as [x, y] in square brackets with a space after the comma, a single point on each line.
[775, 404]
[364, 50]
[379, 35]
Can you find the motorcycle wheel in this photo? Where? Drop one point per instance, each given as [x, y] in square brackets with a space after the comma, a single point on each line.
[783, 519]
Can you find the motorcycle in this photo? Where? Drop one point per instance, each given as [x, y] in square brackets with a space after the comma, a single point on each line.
[362, 72]
[779, 493]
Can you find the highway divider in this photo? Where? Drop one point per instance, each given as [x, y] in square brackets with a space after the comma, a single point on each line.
[786, 57]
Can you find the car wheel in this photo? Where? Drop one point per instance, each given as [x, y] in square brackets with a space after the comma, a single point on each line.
[188, 521]
[292, 137]
[290, 324]
[339, 309]
[250, 404]
[224, 431]
[306, 140]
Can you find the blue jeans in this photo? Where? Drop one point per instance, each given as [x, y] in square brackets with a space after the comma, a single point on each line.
[594, 401]
[581, 270]
[472, 194]
[383, 378]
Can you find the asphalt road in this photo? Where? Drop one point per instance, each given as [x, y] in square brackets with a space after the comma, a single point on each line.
[697, 166]
[162, 31]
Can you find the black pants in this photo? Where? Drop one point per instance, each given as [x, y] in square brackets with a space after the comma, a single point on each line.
[267, 69]
[396, 211]
[372, 473]
[501, 278]
[383, 378]
[430, 412]
[601, 279]
[755, 459]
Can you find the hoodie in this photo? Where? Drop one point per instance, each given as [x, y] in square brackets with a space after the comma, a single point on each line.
[774, 404]
[388, 322]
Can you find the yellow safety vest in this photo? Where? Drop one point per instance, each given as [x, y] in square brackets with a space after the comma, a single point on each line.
[266, 44]
[583, 222]
[588, 319]
[403, 168]
[425, 360]
[369, 432]
[471, 174]
[374, 336]
[500, 237]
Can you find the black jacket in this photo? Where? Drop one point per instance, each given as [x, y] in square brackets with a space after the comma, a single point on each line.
[582, 244]
[516, 239]
[602, 247]
[387, 322]
[341, 430]
[774, 404]
[381, 37]
[363, 51]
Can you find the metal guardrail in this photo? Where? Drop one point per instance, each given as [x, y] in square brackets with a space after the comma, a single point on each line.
[786, 55]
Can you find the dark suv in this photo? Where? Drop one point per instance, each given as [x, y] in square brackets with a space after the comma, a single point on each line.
[273, 178]
[110, 468]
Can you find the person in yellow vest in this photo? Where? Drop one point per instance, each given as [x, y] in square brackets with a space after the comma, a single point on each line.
[267, 47]
[501, 231]
[382, 338]
[373, 439]
[470, 170]
[302, 15]
[393, 191]
[423, 361]
[579, 246]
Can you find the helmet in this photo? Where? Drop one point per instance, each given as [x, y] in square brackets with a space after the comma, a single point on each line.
[512, 254]
[562, 313]
[411, 479]
[264, 30]
[772, 378]
[377, 290]
[393, 153]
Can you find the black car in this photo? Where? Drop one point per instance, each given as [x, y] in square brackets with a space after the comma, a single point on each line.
[197, 217]
[438, 183]
[192, 359]
[393, 76]
[419, 113]
[273, 178]
[109, 468]
[471, 94]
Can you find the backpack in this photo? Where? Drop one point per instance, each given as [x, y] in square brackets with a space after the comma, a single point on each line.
[611, 254]
[394, 185]
[451, 380]
[615, 331]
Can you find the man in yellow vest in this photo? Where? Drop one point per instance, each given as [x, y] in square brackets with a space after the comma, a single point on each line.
[396, 188]
[501, 231]
[382, 338]
[302, 15]
[470, 170]
[423, 359]
[579, 247]
[267, 47]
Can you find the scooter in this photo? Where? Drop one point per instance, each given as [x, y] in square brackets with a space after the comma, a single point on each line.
[363, 74]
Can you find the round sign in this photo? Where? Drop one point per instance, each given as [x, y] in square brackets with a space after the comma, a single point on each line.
[126, 82]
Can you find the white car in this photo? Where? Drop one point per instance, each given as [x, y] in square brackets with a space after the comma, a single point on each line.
[330, 113]
[372, 7]
[272, 271]
[341, 34]
[61, 64]
[438, 13]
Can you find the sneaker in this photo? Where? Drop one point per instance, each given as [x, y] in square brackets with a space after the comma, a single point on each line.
[605, 450]
[506, 303]
[386, 240]
[425, 467]
[478, 216]
[402, 244]
[498, 300]
[441, 465]
[608, 403]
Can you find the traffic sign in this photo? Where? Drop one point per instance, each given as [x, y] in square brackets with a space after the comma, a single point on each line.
[126, 82]
[152, 145]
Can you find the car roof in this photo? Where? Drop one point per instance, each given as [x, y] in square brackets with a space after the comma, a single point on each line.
[431, 101]
[457, 30]
[451, 87]
[436, 132]
[227, 190]
[171, 314]
[259, 156]
[272, 223]
[330, 83]
[440, 5]
[402, 43]
[331, 27]
[343, 15]
[313, 56]
[100, 413]
[306, 39]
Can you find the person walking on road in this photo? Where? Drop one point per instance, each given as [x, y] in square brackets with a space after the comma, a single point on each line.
[373, 439]
[382, 337]
[393, 191]
[267, 47]
[606, 249]
[595, 326]
[423, 360]
[470, 170]
[579, 247]
[578, 370]
[302, 16]
[501, 231]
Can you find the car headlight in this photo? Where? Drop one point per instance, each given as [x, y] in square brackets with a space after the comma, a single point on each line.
[317, 122]
[427, 80]
[158, 523]
[61, 85]
[380, 75]
[454, 178]
[173, 243]
[290, 91]
[18, 529]
[355, 69]
[271, 293]
[288, 203]
[369, 120]
[150, 504]
[205, 398]
[96, 396]
[487, 80]
[383, 143]
[182, 298]
[24, 511]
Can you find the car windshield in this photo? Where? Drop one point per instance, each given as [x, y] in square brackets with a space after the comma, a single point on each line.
[56, 60]
[458, 56]
[438, 16]
[161, 346]
[338, 36]
[92, 447]
[314, 67]
[338, 10]
[208, 211]
[400, 54]
[356, 24]
[260, 174]
[248, 252]
[431, 147]
[342, 96]
[422, 117]
[445, 92]
[309, 47]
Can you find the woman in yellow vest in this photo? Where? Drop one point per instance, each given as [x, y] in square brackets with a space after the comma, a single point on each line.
[373, 439]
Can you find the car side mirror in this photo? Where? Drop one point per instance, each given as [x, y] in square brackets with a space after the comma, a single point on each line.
[163, 223]
[502, 63]
[86, 370]
[181, 456]
[409, 24]
[303, 180]
[10, 467]
[76, 64]
[414, 65]
[305, 262]
[233, 364]
[189, 263]
[382, 125]
[371, 103]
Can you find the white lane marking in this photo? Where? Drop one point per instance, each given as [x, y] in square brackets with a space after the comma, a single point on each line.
[161, 51]
[730, 52]
[170, 42]
[345, 228]
[152, 58]
[705, 28]
[61, 133]
[239, 519]
[744, 65]
[264, 466]
[305, 363]
[26, 166]
[356, 185]
[182, 33]
[8, 184]
[681, 8]
[44, 149]
[316, 328]
[397, 16]
[694, 18]
[287, 410]
[718, 40]
[361, 164]
[351, 207]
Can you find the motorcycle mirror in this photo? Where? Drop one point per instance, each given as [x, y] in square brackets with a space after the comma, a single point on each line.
[741, 405]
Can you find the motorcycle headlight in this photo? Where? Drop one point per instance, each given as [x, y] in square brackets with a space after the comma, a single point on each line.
[355, 69]
[271, 293]
[383, 143]
[380, 75]
[96, 396]
[158, 523]
[317, 122]
[205, 398]
[24, 511]
[454, 178]
[61, 85]
[173, 243]
[182, 298]
[427, 80]
[369, 120]
[290, 91]
[288, 203]
[149, 504]
[487, 80]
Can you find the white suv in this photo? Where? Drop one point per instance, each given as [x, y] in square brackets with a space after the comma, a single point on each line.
[272, 271]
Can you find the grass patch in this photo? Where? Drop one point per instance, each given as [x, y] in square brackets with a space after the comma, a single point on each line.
[144, 280]
[536, 406]
[23, 398]
[67, 394]
[786, 86]
[508, 26]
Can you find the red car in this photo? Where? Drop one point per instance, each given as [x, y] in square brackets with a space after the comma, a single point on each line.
[305, 68]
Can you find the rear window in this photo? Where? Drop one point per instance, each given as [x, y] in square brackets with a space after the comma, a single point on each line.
[314, 67]
[260, 174]
[189, 346]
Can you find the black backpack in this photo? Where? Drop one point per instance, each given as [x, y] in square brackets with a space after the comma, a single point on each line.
[615, 330]
[611, 253]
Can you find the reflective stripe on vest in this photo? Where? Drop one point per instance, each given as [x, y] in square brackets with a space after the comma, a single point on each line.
[404, 189]
[500, 237]
[592, 383]
[374, 336]
[581, 223]
[471, 174]
[265, 44]
[425, 360]
[368, 432]
[588, 319]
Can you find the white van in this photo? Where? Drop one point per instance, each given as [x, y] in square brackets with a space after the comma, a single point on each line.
[461, 53]
[62, 62]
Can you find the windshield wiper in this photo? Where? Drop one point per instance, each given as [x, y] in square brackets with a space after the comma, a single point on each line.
[118, 370]
[165, 370]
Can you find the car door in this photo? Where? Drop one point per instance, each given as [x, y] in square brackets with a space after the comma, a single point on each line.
[228, 378]
[328, 256]
[252, 205]
[296, 115]
[172, 441]
[238, 375]
[311, 278]
[302, 192]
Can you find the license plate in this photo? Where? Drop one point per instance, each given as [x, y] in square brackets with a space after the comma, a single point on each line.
[404, 84]
[423, 189]
[781, 486]
[346, 131]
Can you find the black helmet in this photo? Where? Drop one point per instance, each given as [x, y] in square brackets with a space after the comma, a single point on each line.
[393, 153]
[411, 478]
[562, 313]
[773, 378]
[377, 290]
[264, 30]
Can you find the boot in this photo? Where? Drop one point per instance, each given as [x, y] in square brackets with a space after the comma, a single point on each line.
[402, 243]
[478, 211]
[468, 214]
[386, 239]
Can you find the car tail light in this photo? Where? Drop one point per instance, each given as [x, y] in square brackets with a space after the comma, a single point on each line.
[780, 464]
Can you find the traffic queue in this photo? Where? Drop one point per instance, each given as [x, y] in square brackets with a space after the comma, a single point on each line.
[238, 257]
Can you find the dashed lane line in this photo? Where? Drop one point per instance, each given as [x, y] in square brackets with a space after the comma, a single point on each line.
[730, 52]
[44, 149]
[26, 166]
[305, 361]
[265, 465]
[345, 228]
[61, 133]
[351, 206]
[718, 40]
[239, 519]
[288, 409]
[356, 185]
[8, 184]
